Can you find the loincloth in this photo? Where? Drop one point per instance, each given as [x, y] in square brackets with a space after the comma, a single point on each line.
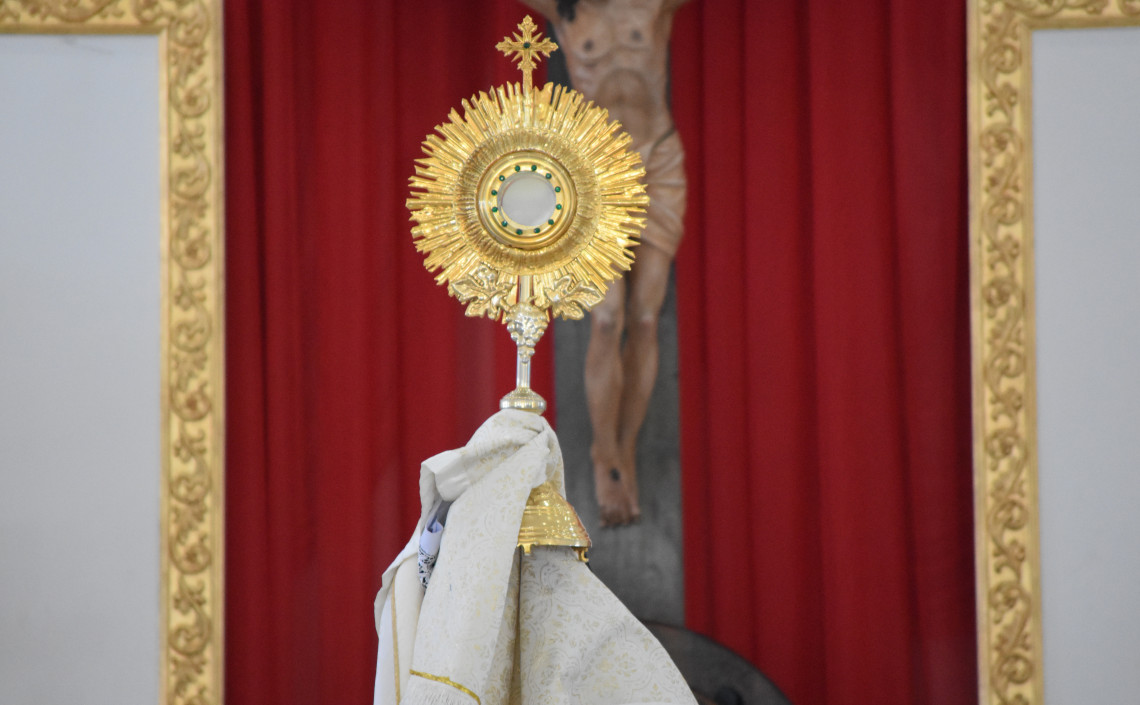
[665, 182]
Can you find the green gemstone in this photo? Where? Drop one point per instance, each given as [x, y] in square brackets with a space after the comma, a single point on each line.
[502, 178]
[537, 229]
[518, 232]
[548, 176]
[526, 45]
[494, 209]
[559, 206]
[504, 223]
[551, 221]
[494, 192]
[517, 167]
[533, 167]
[557, 189]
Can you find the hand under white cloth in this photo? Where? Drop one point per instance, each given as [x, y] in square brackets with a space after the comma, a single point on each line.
[429, 550]
[494, 627]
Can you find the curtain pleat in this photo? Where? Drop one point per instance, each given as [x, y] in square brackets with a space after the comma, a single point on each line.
[824, 348]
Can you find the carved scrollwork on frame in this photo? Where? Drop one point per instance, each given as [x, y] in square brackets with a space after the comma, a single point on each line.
[192, 369]
[1001, 242]
[29, 12]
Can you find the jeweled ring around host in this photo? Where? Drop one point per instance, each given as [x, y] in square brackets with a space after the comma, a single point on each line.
[527, 200]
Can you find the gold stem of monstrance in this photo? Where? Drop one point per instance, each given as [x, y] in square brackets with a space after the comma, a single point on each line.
[527, 205]
[526, 323]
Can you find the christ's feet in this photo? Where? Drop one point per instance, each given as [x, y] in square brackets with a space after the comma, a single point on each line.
[616, 491]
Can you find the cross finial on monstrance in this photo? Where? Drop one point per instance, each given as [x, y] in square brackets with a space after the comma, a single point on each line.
[525, 47]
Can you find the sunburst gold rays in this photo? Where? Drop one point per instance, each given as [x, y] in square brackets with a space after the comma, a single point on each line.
[479, 251]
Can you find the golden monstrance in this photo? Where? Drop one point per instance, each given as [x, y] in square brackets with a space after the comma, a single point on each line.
[527, 205]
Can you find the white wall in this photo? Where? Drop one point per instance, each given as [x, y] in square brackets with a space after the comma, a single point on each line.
[79, 369]
[1086, 132]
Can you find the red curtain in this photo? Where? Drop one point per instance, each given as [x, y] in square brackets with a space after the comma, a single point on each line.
[827, 474]
[347, 365]
[823, 316]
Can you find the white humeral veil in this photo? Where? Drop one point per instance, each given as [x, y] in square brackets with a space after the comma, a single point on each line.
[492, 629]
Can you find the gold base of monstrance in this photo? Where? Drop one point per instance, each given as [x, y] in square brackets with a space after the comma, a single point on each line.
[528, 205]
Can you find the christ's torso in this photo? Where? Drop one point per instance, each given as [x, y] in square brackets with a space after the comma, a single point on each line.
[617, 52]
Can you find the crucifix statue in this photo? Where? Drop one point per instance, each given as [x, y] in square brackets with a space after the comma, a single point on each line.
[617, 55]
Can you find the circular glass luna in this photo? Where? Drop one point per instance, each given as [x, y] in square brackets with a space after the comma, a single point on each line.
[526, 202]
[528, 199]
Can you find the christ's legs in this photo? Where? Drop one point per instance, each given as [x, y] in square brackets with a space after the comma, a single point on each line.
[646, 293]
[604, 379]
[620, 380]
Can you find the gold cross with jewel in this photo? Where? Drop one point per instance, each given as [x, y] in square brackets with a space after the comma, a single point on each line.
[526, 46]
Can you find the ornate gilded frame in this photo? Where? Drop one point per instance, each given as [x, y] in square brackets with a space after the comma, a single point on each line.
[1000, 35]
[192, 404]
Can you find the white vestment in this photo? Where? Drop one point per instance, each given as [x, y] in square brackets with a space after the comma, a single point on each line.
[494, 628]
